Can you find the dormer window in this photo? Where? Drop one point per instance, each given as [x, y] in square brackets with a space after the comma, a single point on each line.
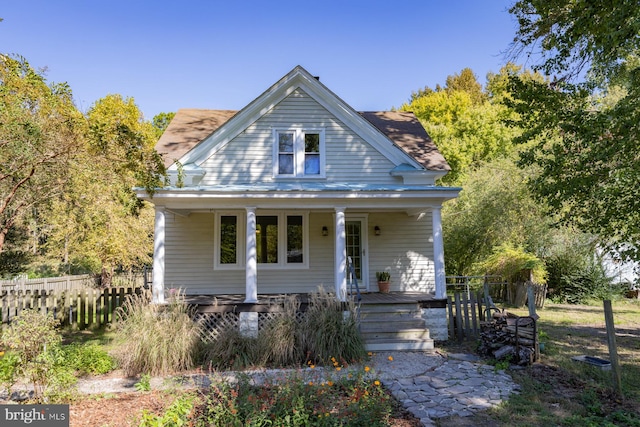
[298, 153]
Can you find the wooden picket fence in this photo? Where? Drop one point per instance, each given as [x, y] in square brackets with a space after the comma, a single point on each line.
[465, 311]
[78, 307]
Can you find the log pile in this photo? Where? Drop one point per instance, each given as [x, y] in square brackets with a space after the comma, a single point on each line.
[510, 337]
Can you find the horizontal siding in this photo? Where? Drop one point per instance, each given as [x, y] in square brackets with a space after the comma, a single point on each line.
[189, 260]
[248, 158]
[405, 248]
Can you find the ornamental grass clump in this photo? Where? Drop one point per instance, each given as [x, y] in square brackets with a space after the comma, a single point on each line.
[330, 329]
[156, 339]
[279, 341]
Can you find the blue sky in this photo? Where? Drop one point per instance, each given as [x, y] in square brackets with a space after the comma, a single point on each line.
[222, 54]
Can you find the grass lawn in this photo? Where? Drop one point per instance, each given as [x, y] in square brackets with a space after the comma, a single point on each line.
[559, 391]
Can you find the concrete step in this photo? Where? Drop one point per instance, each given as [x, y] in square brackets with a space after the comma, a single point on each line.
[399, 345]
[391, 333]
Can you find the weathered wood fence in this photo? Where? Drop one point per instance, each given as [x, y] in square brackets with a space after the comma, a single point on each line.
[467, 309]
[79, 307]
[82, 281]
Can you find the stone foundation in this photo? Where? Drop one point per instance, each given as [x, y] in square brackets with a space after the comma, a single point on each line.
[435, 319]
[248, 324]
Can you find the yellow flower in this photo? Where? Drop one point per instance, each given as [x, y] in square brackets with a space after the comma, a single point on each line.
[310, 382]
[338, 368]
[1, 353]
[367, 369]
[312, 366]
[330, 383]
[390, 358]
[376, 382]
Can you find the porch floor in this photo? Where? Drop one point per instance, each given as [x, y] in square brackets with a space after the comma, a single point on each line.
[271, 302]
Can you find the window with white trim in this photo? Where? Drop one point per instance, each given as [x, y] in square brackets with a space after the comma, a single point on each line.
[229, 235]
[298, 153]
[281, 240]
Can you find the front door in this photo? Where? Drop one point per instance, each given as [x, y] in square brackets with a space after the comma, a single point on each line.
[356, 235]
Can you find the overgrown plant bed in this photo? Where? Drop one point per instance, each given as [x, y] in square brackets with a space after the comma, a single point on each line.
[289, 398]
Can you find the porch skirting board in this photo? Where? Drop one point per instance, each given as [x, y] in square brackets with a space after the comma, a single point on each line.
[435, 319]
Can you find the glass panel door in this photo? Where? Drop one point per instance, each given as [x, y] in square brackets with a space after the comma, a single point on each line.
[356, 244]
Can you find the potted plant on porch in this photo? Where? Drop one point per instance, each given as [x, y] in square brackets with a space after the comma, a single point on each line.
[383, 278]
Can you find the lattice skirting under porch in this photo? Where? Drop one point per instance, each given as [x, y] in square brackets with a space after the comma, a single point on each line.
[214, 323]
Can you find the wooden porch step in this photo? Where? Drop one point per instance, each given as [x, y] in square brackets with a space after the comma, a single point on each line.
[394, 326]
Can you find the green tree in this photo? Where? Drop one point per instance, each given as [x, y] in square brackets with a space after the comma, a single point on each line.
[40, 132]
[98, 223]
[161, 121]
[495, 208]
[467, 126]
[584, 124]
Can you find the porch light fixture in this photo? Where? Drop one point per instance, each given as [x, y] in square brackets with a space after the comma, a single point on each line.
[325, 231]
[376, 230]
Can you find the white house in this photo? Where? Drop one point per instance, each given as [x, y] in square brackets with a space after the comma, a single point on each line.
[275, 198]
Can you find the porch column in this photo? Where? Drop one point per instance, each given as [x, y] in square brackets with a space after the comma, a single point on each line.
[157, 287]
[341, 256]
[251, 284]
[438, 253]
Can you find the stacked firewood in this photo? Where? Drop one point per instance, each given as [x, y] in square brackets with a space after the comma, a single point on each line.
[509, 337]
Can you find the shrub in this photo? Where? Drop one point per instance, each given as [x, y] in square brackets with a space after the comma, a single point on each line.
[88, 358]
[576, 276]
[9, 371]
[511, 262]
[176, 415]
[33, 338]
[156, 339]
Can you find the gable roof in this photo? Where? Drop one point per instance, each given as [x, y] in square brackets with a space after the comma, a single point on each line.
[189, 128]
[406, 131]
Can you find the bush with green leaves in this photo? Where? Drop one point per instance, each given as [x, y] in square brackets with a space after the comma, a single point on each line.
[175, 416]
[578, 281]
[88, 358]
[33, 339]
[156, 338]
[9, 363]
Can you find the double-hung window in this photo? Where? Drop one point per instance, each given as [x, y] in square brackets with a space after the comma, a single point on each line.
[298, 153]
[281, 240]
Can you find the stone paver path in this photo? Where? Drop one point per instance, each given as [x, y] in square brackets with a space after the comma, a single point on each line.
[433, 386]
